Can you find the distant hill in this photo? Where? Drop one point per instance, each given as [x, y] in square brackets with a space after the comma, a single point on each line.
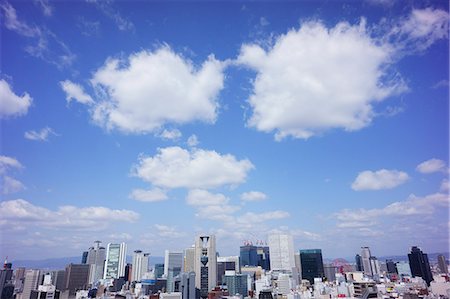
[61, 263]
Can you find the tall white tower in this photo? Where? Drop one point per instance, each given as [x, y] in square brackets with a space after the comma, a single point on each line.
[115, 260]
[96, 258]
[281, 249]
[365, 259]
[140, 265]
[189, 257]
[205, 264]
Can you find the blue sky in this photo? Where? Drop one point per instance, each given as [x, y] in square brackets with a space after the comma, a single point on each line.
[151, 122]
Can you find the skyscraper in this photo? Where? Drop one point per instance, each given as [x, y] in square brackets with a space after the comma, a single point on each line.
[365, 261]
[140, 265]
[115, 261]
[76, 278]
[226, 263]
[248, 255]
[263, 257]
[281, 248]
[374, 265]
[358, 261]
[312, 264]
[31, 282]
[172, 260]
[205, 264]
[418, 261]
[391, 267]
[442, 264]
[189, 257]
[96, 258]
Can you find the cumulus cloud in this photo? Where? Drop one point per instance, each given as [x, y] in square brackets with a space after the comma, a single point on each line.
[445, 185]
[21, 212]
[152, 195]
[41, 135]
[314, 79]
[253, 196]
[430, 166]
[193, 140]
[11, 104]
[75, 92]
[175, 167]
[171, 232]
[377, 180]
[198, 197]
[151, 89]
[173, 134]
[9, 184]
[412, 206]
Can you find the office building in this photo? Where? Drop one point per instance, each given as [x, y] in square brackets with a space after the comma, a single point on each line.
[248, 255]
[442, 264]
[403, 269]
[391, 267]
[189, 257]
[236, 283]
[281, 247]
[330, 271]
[185, 284]
[312, 264]
[205, 264]
[158, 270]
[418, 262]
[115, 261]
[358, 261]
[374, 266]
[172, 260]
[6, 282]
[95, 257]
[263, 257]
[76, 278]
[365, 261]
[30, 283]
[226, 263]
[140, 265]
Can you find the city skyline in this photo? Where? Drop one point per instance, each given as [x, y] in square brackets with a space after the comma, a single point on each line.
[151, 123]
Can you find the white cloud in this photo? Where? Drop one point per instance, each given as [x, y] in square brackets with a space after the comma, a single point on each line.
[251, 217]
[430, 166]
[152, 89]
[419, 30]
[120, 237]
[193, 140]
[41, 135]
[152, 195]
[445, 185]
[412, 206]
[21, 212]
[12, 104]
[75, 92]
[253, 196]
[47, 46]
[314, 79]
[122, 23]
[198, 197]
[47, 9]
[173, 134]
[175, 167]
[170, 232]
[381, 179]
[9, 185]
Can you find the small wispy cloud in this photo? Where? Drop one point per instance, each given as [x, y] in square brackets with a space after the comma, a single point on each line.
[108, 10]
[41, 135]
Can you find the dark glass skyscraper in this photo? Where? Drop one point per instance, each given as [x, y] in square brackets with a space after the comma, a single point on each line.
[391, 267]
[358, 261]
[312, 264]
[248, 255]
[418, 262]
[263, 257]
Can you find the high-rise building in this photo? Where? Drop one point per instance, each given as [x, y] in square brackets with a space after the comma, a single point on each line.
[159, 270]
[248, 255]
[6, 283]
[312, 264]
[330, 272]
[84, 257]
[374, 266]
[76, 278]
[31, 282]
[205, 264]
[172, 260]
[263, 257]
[391, 267]
[140, 265]
[115, 260]
[442, 264]
[189, 257]
[403, 269]
[418, 261]
[358, 261]
[95, 257]
[236, 283]
[365, 261]
[185, 284]
[281, 247]
[226, 263]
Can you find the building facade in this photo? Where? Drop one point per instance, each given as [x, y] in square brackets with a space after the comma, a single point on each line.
[205, 264]
[312, 264]
[140, 265]
[419, 264]
[115, 261]
[281, 247]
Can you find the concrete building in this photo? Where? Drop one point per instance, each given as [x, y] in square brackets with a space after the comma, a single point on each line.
[95, 257]
[365, 261]
[205, 264]
[115, 261]
[76, 278]
[281, 247]
[185, 284]
[236, 283]
[442, 264]
[140, 265]
[226, 263]
[31, 282]
[189, 257]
